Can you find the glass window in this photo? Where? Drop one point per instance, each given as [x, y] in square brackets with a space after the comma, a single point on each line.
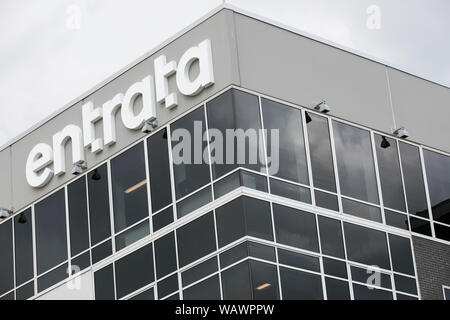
[166, 260]
[235, 110]
[401, 254]
[6, 257]
[78, 216]
[81, 262]
[162, 219]
[196, 239]
[25, 292]
[355, 162]
[412, 175]
[367, 246]
[23, 237]
[243, 216]
[361, 210]
[436, 165]
[99, 214]
[264, 279]
[190, 170]
[146, 295]
[208, 289]
[370, 276]
[320, 152]
[261, 251]
[240, 178]
[390, 175]
[326, 200]
[446, 293]
[292, 157]
[134, 271]
[129, 184]
[200, 271]
[193, 202]
[335, 268]
[337, 289]
[104, 284]
[299, 285]
[132, 235]
[298, 260]
[51, 236]
[405, 284]
[396, 219]
[53, 277]
[331, 237]
[442, 232]
[295, 228]
[420, 226]
[233, 255]
[290, 190]
[101, 251]
[167, 286]
[362, 292]
[158, 159]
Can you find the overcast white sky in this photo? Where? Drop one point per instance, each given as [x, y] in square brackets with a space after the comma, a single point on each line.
[49, 57]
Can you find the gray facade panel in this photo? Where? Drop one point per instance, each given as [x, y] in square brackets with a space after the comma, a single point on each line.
[217, 29]
[285, 65]
[5, 179]
[423, 108]
[433, 267]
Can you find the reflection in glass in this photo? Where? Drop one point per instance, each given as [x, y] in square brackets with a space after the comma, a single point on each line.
[355, 162]
[361, 210]
[290, 190]
[23, 245]
[337, 289]
[78, 216]
[299, 285]
[331, 237]
[208, 289]
[6, 258]
[99, 214]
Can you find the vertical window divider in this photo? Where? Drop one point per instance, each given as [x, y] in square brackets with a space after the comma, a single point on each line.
[69, 253]
[377, 177]
[264, 133]
[322, 270]
[34, 249]
[89, 218]
[347, 265]
[155, 286]
[172, 176]
[147, 174]
[180, 284]
[111, 206]
[411, 243]
[427, 192]
[13, 240]
[403, 182]
[336, 172]
[308, 158]
[394, 293]
[209, 152]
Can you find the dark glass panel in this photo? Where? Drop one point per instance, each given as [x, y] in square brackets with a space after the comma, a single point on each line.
[320, 152]
[235, 110]
[132, 235]
[238, 179]
[208, 289]
[162, 219]
[396, 219]
[355, 162]
[361, 210]
[23, 237]
[99, 214]
[6, 257]
[53, 277]
[104, 284]
[190, 170]
[401, 254]
[193, 202]
[413, 177]
[390, 174]
[167, 286]
[81, 262]
[158, 161]
[442, 232]
[236, 283]
[371, 277]
[196, 239]
[337, 289]
[8, 297]
[295, 228]
[243, 216]
[233, 255]
[292, 157]
[25, 292]
[261, 251]
[447, 293]
[298, 260]
[175, 296]
[335, 268]
[405, 284]
[165, 255]
[438, 176]
[134, 271]
[405, 297]
[290, 190]
[199, 271]
[264, 281]
[51, 237]
[326, 200]
[146, 295]
[101, 251]
[362, 292]
[367, 246]
[420, 226]
[299, 285]
[129, 185]
[78, 216]
[331, 237]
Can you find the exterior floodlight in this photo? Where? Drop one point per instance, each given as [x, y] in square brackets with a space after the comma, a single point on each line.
[323, 107]
[401, 133]
[149, 126]
[5, 213]
[384, 143]
[79, 167]
[96, 175]
[307, 117]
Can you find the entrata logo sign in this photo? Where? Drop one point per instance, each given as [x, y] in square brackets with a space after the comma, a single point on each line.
[42, 156]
